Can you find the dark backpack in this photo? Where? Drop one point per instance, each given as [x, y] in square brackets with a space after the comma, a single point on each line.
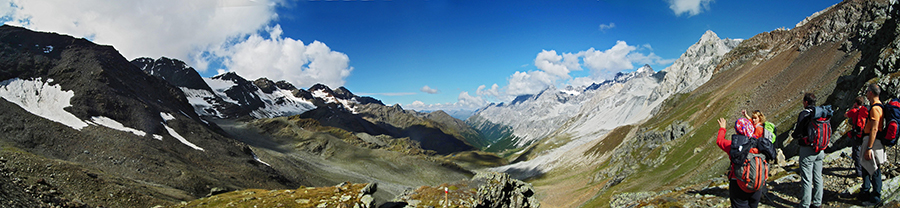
[819, 128]
[748, 161]
[891, 113]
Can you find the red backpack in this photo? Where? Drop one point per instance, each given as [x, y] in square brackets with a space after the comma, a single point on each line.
[749, 162]
[819, 128]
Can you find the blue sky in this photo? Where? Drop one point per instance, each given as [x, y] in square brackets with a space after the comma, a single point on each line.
[392, 50]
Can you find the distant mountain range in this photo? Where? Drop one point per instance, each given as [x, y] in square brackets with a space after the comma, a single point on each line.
[626, 99]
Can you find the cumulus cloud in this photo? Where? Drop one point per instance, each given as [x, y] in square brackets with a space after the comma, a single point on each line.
[277, 57]
[199, 32]
[429, 90]
[691, 7]
[604, 27]
[146, 28]
[493, 92]
[609, 61]
[465, 102]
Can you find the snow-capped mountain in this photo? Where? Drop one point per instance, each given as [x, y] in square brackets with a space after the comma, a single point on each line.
[532, 117]
[627, 98]
[229, 95]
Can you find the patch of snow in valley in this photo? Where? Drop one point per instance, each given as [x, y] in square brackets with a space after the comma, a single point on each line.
[41, 99]
[180, 138]
[260, 161]
[113, 124]
[158, 137]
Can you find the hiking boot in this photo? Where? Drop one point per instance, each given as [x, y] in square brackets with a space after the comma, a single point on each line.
[870, 204]
[863, 196]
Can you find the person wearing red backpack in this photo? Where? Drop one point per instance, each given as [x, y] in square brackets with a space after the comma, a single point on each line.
[872, 149]
[739, 196]
[857, 117]
[810, 159]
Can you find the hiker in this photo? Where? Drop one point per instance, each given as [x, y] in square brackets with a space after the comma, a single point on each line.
[810, 157]
[739, 193]
[857, 117]
[764, 129]
[872, 150]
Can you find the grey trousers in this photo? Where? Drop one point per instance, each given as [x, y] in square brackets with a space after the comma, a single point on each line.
[811, 176]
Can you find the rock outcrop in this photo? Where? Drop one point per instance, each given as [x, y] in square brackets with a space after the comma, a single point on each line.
[501, 191]
[484, 190]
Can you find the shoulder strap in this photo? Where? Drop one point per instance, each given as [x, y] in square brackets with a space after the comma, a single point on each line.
[873, 108]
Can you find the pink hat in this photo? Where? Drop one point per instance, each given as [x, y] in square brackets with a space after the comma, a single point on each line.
[744, 127]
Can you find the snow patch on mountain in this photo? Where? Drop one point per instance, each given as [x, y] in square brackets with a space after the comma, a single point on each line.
[331, 99]
[175, 134]
[165, 116]
[219, 87]
[41, 99]
[281, 103]
[113, 124]
[202, 101]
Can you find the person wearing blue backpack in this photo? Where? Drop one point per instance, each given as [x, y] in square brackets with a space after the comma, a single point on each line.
[872, 149]
[813, 132]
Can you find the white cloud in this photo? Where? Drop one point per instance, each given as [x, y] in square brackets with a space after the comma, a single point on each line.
[691, 7]
[610, 61]
[429, 90]
[147, 28]
[282, 58]
[604, 27]
[465, 102]
[199, 32]
[494, 92]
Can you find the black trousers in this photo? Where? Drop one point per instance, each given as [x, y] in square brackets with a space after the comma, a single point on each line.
[741, 199]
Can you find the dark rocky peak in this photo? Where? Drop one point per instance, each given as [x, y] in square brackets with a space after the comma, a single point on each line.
[234, 77]
[321, 87]
[266, 85]
[284, 85]
[242, 92]
[343, 93]
[368, 100]
[41, 48]
[174, 71]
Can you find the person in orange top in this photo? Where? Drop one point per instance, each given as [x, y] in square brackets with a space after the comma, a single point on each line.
[738, 197]
[872, 150]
